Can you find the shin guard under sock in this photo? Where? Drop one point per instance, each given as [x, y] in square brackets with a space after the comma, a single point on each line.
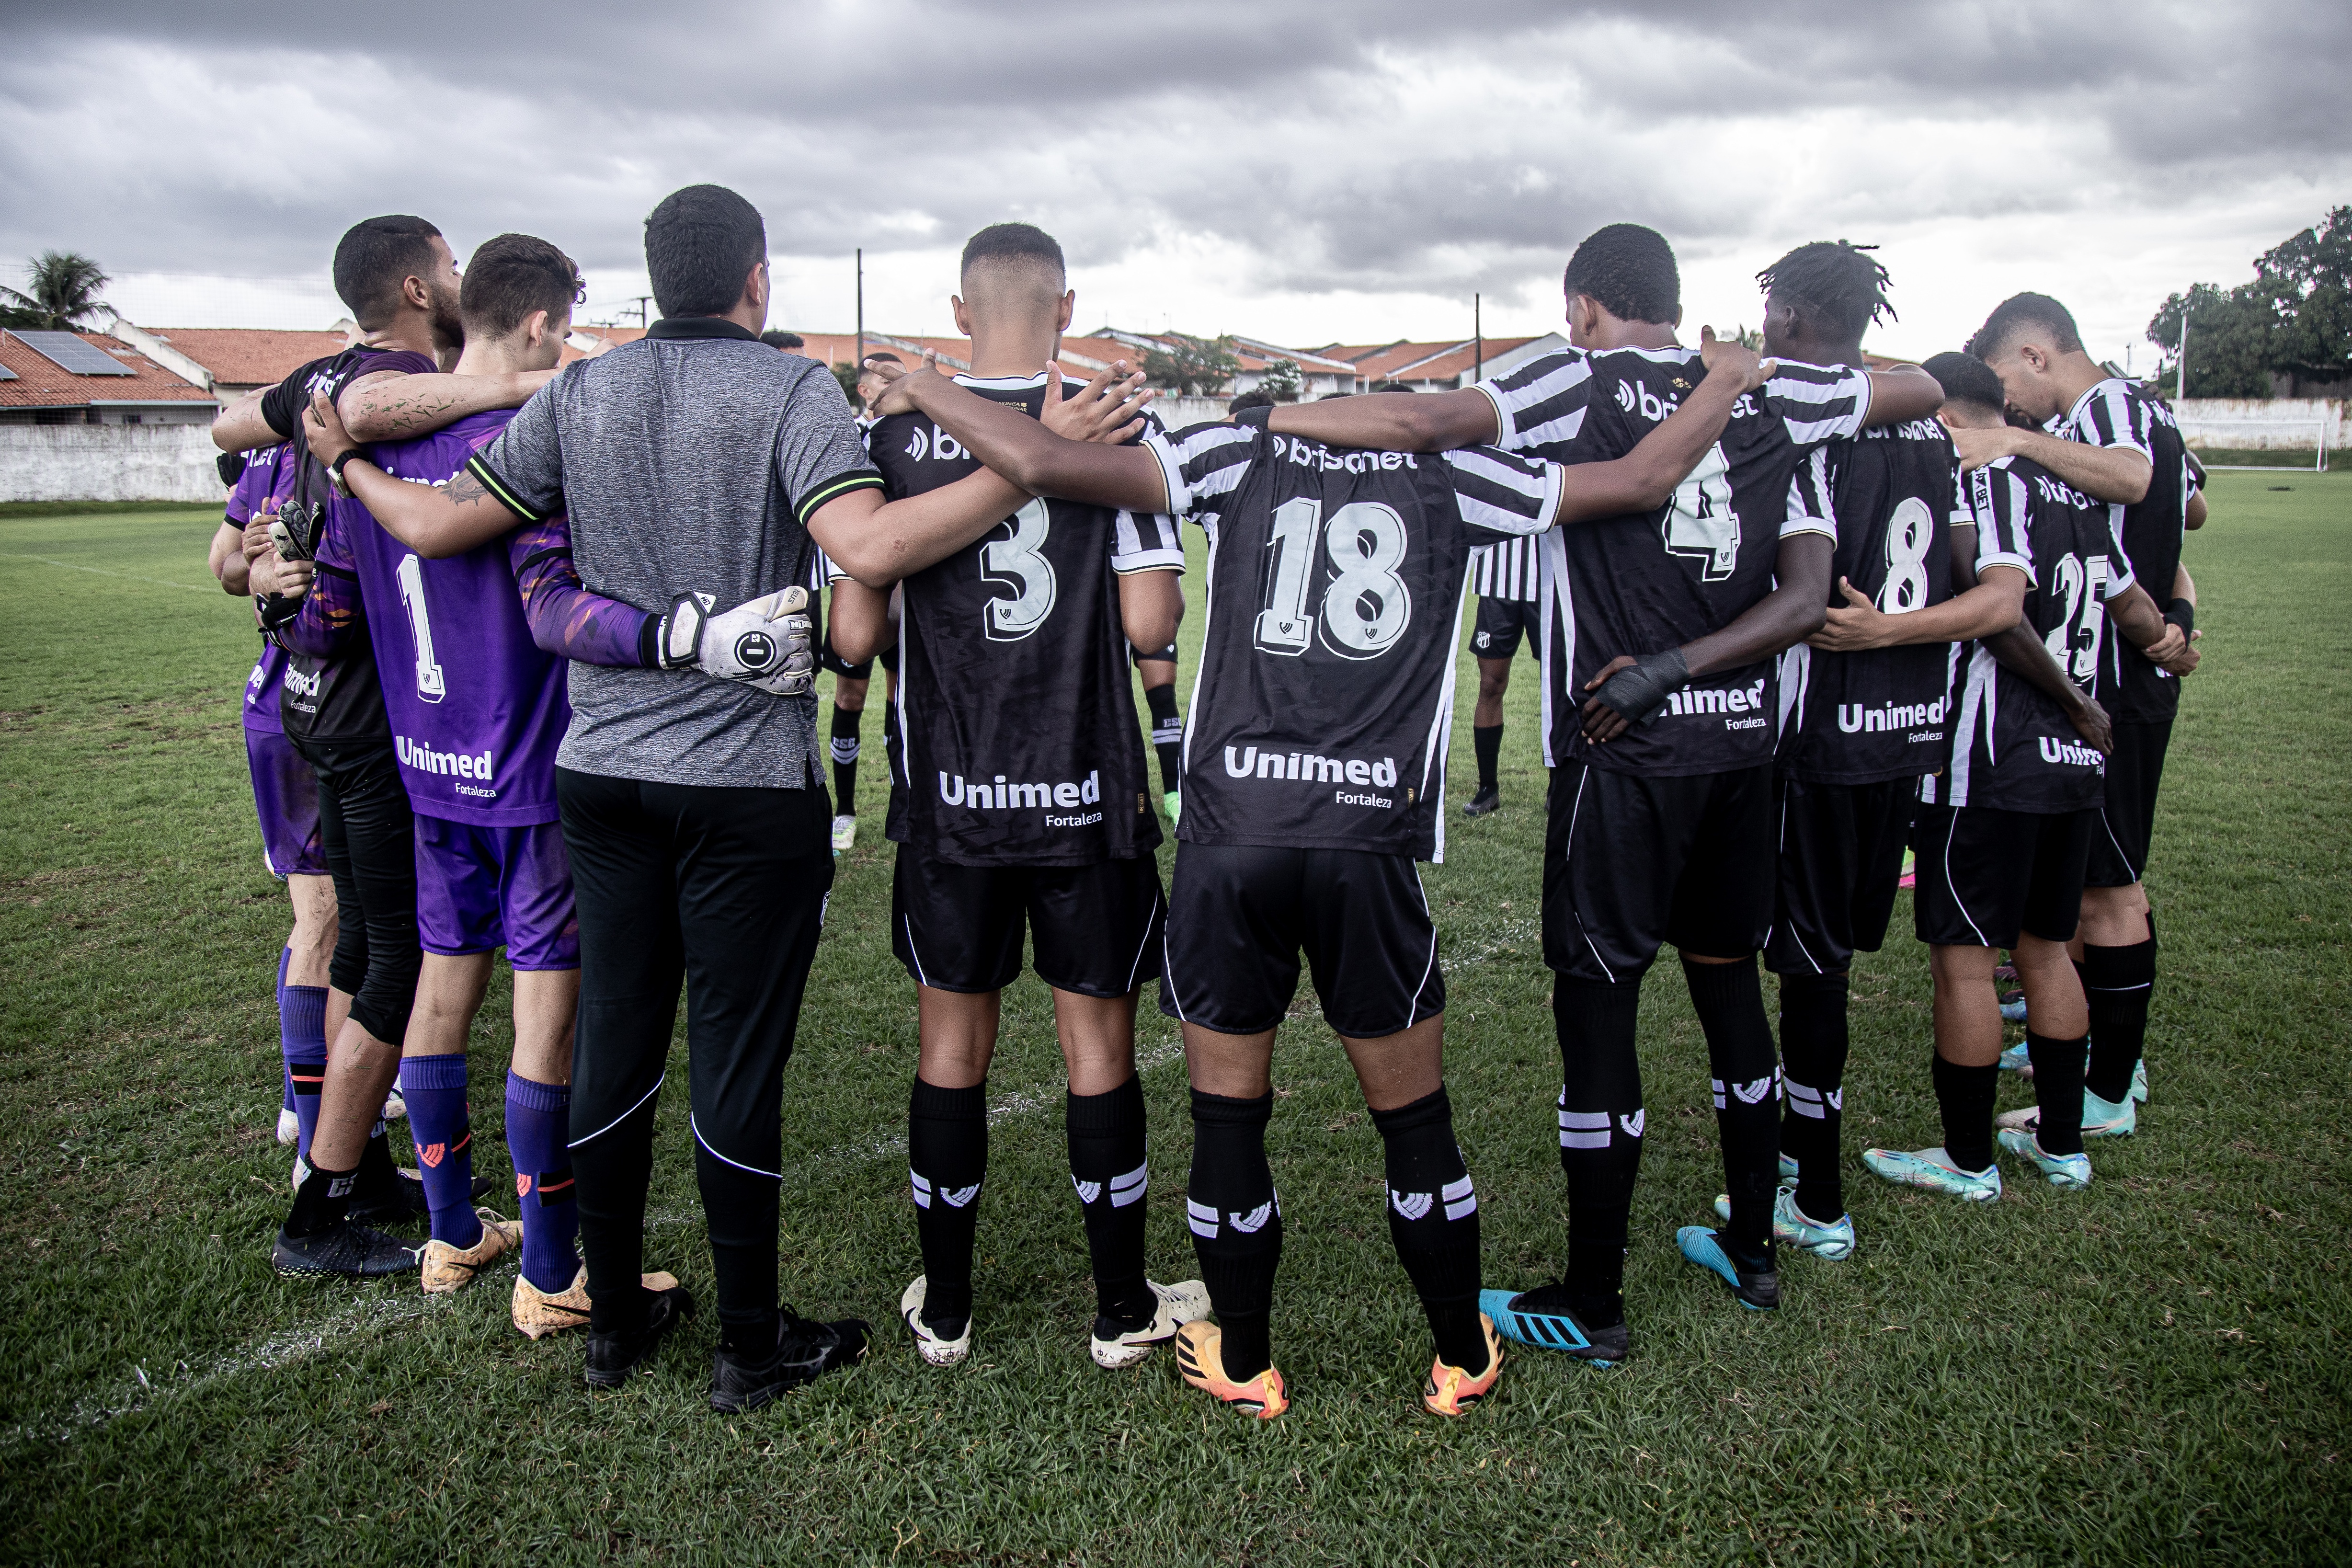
[1601, 1124]
[1812, 1067]
[845, 745]
[1486, 741]
[1729, 1000]
[434, 1088]
[1111, 1174]
[1236, 1222]
[1965, 1097]
[1434, 1223]
[538, 1116]
[2058, 1090]
[1167, 733]
[302, 1043]
[947, 1159]
[2118, 982]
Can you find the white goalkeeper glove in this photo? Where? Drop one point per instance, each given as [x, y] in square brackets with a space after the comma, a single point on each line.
[770, 642]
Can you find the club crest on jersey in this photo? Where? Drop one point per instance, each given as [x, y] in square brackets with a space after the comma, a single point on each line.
[935, 444]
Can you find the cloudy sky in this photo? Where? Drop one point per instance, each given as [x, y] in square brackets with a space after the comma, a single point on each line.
[1295, 171]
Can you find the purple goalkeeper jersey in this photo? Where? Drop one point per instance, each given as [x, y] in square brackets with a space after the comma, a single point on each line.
[265, 479]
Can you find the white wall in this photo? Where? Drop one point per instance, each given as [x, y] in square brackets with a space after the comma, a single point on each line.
[109, 462]
[2283, 421]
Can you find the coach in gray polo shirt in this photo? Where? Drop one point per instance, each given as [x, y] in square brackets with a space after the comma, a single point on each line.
[699, 458]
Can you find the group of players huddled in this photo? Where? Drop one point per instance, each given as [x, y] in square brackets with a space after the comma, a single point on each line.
[537, 672]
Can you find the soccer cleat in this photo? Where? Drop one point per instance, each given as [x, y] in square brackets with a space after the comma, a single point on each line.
[1487, 799]
[1450, 1391]
[290, 1127]
[2139, 1080]
[1932, 1169]
[930, 1343]
[344, 1251]
[2015, 1058]
[1186, 1301]
[2067, 1173]
[1788, 1168]
[2013, 1008]
[1542, 1318]
[1172, 802]
[805, 1350]
[845, 835]
[1199, 1358]
[2100, 1120]
[1791, 1226]
[395, 1106]
[612, 1355]
[1758, 1291]
[539, 1313]
[450, 1269]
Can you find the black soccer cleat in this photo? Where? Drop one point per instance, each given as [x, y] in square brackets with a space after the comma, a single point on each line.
[1546, 1318]
[612, 1355]
[1758, 1290]
[805, 1350]
[344, 1251]
[1487, 799]
[405, 1205]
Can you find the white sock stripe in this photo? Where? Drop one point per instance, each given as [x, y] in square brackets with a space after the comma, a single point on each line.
[1803, 1091]
[1583, 1120]
[1584, 1140]
[1199, 1210]
[1453, 1191]
[1462, 1208]
[1137, 1177]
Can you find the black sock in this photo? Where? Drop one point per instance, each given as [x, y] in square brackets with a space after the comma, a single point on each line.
[2058, 1090]
[1236, 1220]
[321, 1201]
[1600, 1127]
[1812, 1067]
[1729, 1000]
[1433, 1224]
[378, 1177]
[1965, 1096]
[1108, 1167]
[1167, 733]
[845, 723]
[1487, 739]
[2118, 982]
[947, 1152]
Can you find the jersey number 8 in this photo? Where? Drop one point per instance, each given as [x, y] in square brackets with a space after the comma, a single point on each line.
[1365, 607]
[1910, 530]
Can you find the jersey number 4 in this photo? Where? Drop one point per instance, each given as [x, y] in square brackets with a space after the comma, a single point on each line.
[1699, 520]
[1019, 563]
[1365, 607]
[429, 684]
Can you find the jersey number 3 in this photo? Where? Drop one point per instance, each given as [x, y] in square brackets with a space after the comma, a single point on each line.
[1019, 563]
[1699, 520]
[429, 684]
[1365, 607]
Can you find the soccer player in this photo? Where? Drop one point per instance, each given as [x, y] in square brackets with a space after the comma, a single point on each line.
[1508, 579]
[1661, 623]
[1322, 710]
[852, 678]
[2004, 828]
[2116, 444]
[1158, 670]
[1004, 823]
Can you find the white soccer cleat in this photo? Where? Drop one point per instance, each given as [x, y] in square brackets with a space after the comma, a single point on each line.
[395, 1107]
[928, 1344]
[290, 1127]
[1186, 1301]
[845, 835]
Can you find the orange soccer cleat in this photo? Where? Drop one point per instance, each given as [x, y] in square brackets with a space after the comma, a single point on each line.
[1450, 1391]
[1198, 1357]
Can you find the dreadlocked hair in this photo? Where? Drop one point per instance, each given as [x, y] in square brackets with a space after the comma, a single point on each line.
[1839, 285]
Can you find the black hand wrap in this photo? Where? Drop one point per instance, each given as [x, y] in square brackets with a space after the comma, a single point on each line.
[2181, 613]
[1638, 693]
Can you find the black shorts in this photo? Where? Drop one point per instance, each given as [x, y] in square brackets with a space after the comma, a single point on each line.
[2127, 816]
[958, 928]
[1986, 877]
[1502, 623]
[1839, 856]
[1242, 914]
[1631, 863]
[828, 659]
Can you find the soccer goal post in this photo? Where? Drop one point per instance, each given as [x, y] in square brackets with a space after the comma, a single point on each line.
[2294, 442]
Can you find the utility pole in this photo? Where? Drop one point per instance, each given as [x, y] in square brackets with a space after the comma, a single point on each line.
[1477, 337]
[2180, 386]
[640, 300]
[859, 363]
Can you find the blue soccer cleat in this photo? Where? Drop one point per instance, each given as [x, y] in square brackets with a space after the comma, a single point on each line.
[1756, 1291]
[1932, 1169]
[2139, 1080]
[1541, 1318]
[2067, 1173]
[1792, 1226]
[2015, 1057]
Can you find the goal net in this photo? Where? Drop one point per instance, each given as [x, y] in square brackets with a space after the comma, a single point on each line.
[2286, 441]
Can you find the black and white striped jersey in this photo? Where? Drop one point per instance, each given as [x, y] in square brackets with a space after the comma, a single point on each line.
[2011, 746]
[1325, 693]
[1014, 739]
[2116, 413]
[1641, 584]
[1510, 569]
[1860, 718]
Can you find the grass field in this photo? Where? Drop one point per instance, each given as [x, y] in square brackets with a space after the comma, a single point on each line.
[2152, 1371]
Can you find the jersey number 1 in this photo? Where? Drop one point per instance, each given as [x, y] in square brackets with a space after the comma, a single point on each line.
[1365, 607]
[429, 684]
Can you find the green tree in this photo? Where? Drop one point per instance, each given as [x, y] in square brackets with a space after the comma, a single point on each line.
[1281, 382]
[62, 295]
[846, 373]
[1191, 366]
[2293, 320]
[2229, 337]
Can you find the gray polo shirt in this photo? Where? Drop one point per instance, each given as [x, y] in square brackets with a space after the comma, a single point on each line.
[688, 461]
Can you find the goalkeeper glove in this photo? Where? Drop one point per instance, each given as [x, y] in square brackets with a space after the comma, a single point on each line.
[770, 642]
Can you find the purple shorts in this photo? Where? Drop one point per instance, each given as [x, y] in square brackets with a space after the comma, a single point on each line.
[286, 798]
[482, 888]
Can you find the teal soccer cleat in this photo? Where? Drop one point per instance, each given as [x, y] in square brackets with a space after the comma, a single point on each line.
[1932, 1169]
[2067, 1173]
[1791, 1226]
[1759, 1293]
[1541, 1318]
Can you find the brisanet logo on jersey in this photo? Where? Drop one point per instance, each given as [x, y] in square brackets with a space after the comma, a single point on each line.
[1744, 705]
[1050, 798]
[1306, 767]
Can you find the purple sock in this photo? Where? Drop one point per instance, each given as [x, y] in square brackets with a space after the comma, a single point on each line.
[434, 1088]
[302, 1044]
[285, 1045]
[539, 1121]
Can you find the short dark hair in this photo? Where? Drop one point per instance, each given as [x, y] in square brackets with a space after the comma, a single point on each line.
[1839, 285]
[2019, 311]
[1630, 270]
[699, 244]
[777, 338]
[509, 277]
[375, 256]
[1251, 399]
[882, 353]
[1394, 386]
[1013, 242]
[1968, 379]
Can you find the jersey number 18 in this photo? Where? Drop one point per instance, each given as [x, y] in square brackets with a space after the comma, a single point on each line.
[1365, 606]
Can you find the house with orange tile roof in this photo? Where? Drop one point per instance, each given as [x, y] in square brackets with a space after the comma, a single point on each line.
[90, 378]
[1439, 366]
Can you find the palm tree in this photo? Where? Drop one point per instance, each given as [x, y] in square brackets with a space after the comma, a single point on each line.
[63, 294]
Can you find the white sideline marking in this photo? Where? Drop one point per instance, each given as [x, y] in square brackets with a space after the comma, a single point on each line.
[101, 571]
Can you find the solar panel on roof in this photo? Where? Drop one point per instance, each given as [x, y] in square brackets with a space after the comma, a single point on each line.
[6, 374]
[70, 352]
